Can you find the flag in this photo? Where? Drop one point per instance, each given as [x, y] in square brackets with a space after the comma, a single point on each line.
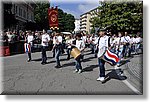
[27, 47]
[53, 17]
[110, 57]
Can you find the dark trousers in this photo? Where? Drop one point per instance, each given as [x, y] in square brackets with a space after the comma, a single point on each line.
[54, 52]
[78, 63]
[29, 53]
[44, 57]
[58, 52]
[68, 52]
[29, 56]
[101, 64]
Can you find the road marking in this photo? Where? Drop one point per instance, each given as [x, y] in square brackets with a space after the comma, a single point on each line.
[128, 84]
[132, 87]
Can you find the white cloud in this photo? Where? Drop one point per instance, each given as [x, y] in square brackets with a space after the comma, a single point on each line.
[87, 7]
[75, 14]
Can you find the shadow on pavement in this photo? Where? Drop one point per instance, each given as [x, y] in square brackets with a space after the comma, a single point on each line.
[69, 64]
[114, 75]
[90, 68]
[88, 59]
[124, 62]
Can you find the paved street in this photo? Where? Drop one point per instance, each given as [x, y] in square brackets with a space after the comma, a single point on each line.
[22, 77]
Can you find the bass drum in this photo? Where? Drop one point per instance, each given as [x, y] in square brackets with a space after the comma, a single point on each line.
[75, 52]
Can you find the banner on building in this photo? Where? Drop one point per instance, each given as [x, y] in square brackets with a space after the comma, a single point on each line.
[53, 18]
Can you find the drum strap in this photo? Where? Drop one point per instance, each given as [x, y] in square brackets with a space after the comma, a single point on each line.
[98, 41]
[109, 42]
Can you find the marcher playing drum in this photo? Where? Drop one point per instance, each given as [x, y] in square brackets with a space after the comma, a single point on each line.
[81, 46]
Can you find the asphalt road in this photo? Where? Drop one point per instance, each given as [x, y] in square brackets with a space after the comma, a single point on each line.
[22, 77]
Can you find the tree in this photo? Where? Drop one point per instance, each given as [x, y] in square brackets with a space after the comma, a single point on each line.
[66, 21]
[125, 16]
[41, 15]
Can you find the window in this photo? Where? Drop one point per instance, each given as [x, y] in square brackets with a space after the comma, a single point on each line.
[20, 12]
[16, 9]
[24, 13]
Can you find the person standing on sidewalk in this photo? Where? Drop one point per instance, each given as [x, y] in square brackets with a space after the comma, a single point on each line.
[44, 43]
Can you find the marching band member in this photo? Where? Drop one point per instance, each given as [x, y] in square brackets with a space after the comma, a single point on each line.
[69, 41]
[132, 43]
[44, 43]
[119, 42]
[138, 41]
[102, 41]
[54, 44]
[29, 39]
[126, 50]
[58, 49]
[91, 45]
[80, 44]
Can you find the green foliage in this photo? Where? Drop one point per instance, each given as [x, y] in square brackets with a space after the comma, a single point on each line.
[41, 16]
[66, 21]
[125, 16]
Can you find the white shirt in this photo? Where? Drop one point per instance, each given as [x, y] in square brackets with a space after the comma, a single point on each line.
[103, 42]
[30, 39]
[138, 40]
[69, 42]
[10, 37]
[119, 40]
[54, 40]
[84, 38]
[45, 37]
[126, 39]
[80, 44]
[59, 38]
[132, 40]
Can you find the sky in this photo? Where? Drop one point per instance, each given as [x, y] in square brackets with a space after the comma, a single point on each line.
[75, 7]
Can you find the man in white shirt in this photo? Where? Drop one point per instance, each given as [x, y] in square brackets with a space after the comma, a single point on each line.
[138, 41]
[69, 41]
[44, 43]
[119, 43]
[29, 39]
[102, 43]
[127, 49]
[58, 49]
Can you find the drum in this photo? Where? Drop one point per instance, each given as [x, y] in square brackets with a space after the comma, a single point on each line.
[101, 52]
[75, 52]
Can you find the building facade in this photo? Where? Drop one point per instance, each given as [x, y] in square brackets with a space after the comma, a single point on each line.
[85, 18]
[24, 13]
[77, 25]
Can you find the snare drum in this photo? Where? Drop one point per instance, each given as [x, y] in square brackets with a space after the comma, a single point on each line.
[101, 52]
[75, 52]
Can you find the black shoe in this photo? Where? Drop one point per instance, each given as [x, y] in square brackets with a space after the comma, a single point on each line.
[58, 66]
[29, 60]
[43, 63]
[68, 58]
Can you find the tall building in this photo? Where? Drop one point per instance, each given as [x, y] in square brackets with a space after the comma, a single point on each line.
[85, 24]
[23, 12]
[77, 25]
